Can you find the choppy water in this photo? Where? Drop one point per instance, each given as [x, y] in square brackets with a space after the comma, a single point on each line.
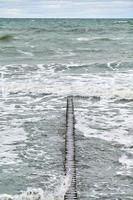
[41, 63]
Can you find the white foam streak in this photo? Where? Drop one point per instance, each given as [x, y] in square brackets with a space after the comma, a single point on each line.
[25, 53]
[85, 39]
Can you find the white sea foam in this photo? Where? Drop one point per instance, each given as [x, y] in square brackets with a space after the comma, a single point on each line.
[113, 65]
[126, 162]
[76, 88]
[9, 137]
[40, 194]
[3, 83]
[109, 121]
[127, 166]
[30, 194]
[112, 85]
[116, 135]
[85, 39]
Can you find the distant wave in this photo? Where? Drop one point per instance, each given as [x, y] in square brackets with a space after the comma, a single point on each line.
[66, 29]
[112, 65]
[97, 39]
[83, 39]
[106, 39]
[124, 100]
[25, 53]
[6, 38]
[76, 30]
[38, 30]
[84, 30]
[121, 22]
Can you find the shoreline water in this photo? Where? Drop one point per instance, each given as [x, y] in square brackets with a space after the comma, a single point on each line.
[90, 60]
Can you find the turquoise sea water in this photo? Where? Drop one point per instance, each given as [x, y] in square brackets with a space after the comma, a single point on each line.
[42, 61]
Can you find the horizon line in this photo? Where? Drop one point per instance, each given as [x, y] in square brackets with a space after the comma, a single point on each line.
[66, 18]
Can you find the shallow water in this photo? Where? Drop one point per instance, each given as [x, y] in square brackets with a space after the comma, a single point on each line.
[41, 63]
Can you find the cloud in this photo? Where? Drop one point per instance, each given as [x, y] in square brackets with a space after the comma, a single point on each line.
[67, 8]
[11, 12]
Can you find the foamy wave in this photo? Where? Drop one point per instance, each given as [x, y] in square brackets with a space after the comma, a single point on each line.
[107, 121]
[80, 89]
[120, 137]
[30, 194]
[40, 194]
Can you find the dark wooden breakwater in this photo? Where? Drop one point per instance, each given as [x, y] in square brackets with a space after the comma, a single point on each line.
[70, 164]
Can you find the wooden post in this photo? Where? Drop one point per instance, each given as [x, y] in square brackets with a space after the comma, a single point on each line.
[70, 164]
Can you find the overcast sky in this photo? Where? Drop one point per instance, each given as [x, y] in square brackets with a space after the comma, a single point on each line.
[67, 8]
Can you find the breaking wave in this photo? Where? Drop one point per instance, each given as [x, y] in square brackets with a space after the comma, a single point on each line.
[30, 194]
[121, 22]
[40, 194]
[125, 95]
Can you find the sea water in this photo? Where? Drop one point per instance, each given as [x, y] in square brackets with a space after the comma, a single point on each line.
[42, 61]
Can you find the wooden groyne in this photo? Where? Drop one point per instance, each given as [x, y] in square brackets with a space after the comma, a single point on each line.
[70, 164]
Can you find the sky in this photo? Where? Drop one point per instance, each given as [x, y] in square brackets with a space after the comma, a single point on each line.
[66, 8]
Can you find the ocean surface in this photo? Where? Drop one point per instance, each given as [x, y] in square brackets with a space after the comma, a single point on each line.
[42, 61]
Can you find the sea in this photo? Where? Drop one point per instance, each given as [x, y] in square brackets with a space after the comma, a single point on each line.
[42, 63]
